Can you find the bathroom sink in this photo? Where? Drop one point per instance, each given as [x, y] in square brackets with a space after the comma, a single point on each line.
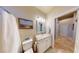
[41, 36]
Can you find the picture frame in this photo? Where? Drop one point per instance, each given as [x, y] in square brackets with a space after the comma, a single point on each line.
[25, 23]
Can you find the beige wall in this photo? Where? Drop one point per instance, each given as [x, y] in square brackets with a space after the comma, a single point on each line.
[27, 13]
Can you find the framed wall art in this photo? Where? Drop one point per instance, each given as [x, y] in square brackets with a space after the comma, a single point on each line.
[25, 24]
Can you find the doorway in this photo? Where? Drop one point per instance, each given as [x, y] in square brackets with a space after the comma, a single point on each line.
[65, 29]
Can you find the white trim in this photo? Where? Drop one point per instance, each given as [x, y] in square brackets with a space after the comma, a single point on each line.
[76, 49]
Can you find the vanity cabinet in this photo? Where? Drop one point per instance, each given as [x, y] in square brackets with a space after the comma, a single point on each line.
[43, 42]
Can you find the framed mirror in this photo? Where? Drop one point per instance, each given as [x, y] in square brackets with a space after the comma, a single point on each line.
[40, 26]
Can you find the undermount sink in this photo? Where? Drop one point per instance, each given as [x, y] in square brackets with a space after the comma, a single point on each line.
[42, 36]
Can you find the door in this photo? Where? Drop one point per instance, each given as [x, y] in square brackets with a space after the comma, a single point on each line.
[77, 33]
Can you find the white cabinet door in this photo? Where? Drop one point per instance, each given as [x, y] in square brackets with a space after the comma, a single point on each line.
[44, 44]
[48, 42]
[41, 45]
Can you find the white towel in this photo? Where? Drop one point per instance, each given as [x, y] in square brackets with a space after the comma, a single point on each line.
[9, 33]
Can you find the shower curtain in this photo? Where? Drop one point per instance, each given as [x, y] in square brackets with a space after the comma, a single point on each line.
[9, 33]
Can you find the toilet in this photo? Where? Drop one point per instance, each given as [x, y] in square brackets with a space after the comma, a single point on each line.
[27, 46]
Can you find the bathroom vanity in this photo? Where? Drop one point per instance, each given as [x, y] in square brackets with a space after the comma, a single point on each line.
[43, 42]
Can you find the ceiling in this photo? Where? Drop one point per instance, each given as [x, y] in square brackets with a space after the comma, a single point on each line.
[48, 9]
[45, 9]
